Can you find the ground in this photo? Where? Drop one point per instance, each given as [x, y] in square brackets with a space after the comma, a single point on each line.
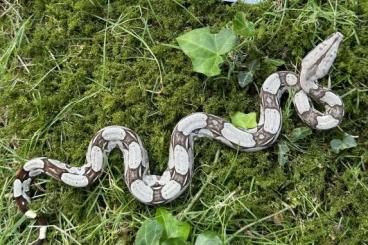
[69, 68]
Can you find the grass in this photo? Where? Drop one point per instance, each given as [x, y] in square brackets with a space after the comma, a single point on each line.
[70, 68]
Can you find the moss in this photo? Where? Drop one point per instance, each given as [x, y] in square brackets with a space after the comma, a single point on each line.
[86, 73]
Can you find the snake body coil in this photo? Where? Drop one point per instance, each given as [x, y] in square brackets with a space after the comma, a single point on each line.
[154, 189]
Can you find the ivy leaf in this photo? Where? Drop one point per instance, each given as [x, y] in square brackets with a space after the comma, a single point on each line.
[206, 49]
[245, 78]
[283, 153]
[346, 142]
[150, 233]
[300, 133]
[173, 228]
[208, 238]
[243, 120]
[242, 26]
[175, 241]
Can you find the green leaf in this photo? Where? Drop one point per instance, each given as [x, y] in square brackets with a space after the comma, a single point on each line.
[346, 142]
[243, 120]
[150, 233]
[208, 238]
[336, 145]
[173, 228]
[300, 133]
[349, 141]
[245, 78]
[206, 49]
[283, 153]
[242, 26]
[175, 241]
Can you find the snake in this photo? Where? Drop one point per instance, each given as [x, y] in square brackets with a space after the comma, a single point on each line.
[154, 189]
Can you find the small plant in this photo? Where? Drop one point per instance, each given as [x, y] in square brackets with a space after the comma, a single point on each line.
[207, 50]
[296, 135]
[243, 120]
[347, 141]
[165, 229]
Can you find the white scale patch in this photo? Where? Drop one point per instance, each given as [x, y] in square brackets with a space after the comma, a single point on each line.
[170, 190]
[326, 122]
[25, 185]
[17, 188]
[190, 123]
[331, 99]
[307, 85]
[291, 79]
[33, 164]
[171, 163]
[58, 163]
[77, 170]
[43, 230]
[237, 136]
[150, 180]
[165, 178]
[205, 133]
[112, 144]
[301, 102]
[25, 196]
[74, 180]
[272, 120]
[125, 156]
[36, 172]
[261, 117]
[181, 160]
[134, 155]
[96, 158]
[113, 133]
[141, 191]
[272, 84]
[30, 214]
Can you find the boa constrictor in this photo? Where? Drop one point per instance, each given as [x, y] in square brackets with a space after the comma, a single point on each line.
[154, 189]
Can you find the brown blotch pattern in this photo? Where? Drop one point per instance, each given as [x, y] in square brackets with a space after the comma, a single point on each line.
[215, 124]
[133, 174]
[22, 174]
[337, 111]
[178, 138]
[53, 170]
[262, 137]
[92, 176]
[269, 100]
[317, 93]
[129, 137]
[157, 196]
[99, 140]
[181, 179]
[310, 118]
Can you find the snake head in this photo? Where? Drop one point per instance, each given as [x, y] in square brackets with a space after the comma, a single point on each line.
[318, 62]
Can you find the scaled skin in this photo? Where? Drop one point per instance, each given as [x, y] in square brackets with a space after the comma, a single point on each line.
[153, 189]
